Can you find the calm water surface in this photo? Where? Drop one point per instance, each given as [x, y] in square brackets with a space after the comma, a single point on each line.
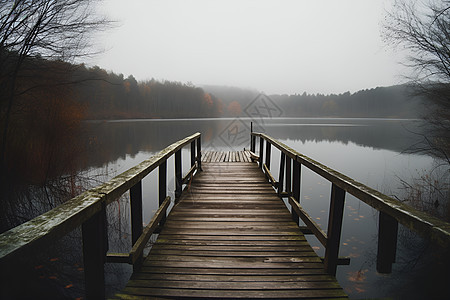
[368, 150]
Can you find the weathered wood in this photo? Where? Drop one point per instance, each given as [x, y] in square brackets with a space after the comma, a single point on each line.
[162, 187]
[192, 153]
[268, 154]
[178, 179]
[312, 225]
[199, 153]
[427, 226]
[118, 258]
[288, 176]
[94, 254]
[334, 229]
[227, 234]
[189, 174]
[136, 218]
[281, 174]
[138, 246]
[261, 151]
[270, 176]
[296, 184]
[387, 242]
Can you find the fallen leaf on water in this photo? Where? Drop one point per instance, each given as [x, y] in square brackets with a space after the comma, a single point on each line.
[357, 276]
[38, 267]
[54, 259]
[362, 217]
[345, 244]
[80, 269]
[52, 277]
[317, 218]
[68, 286]
[353, 255]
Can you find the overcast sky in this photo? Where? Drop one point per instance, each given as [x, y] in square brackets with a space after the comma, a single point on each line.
[273, 46]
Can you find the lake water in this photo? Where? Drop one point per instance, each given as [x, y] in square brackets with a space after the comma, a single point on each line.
[371, 151]
[368, 150]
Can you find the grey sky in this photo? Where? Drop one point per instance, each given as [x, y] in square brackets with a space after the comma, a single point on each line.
[273, 46]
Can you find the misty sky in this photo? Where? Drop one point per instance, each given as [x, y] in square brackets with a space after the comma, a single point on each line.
[273, 46]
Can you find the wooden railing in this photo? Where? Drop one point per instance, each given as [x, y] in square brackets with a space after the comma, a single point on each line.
[391, 211]
[88, 210]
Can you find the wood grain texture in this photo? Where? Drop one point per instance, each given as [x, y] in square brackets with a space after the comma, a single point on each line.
[230, 236]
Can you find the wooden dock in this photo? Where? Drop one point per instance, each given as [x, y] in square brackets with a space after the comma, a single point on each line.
[231, 236]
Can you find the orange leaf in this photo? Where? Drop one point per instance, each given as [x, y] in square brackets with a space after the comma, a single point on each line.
[68, 286]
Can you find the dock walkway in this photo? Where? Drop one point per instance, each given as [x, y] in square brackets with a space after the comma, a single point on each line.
[230, 236]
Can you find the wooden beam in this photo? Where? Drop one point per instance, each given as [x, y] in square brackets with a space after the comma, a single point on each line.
[189, 174]
[138, 247]
[162, 187]
[261, 151]
[178, 179]
[269, 176]
[334, 229]
[94, 254]
[310, 223]
[387, 242]
[118, 258]
[136, 216]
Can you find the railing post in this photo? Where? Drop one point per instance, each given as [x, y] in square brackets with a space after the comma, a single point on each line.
[334, 229]
[199, 153]
[136, 217]
[95, 246]
[178, 176]
[289, 176]
[162, 191]
[192, 153]
[387, 242]
[268, 149]
[281, 174]
[261, 151]
[296, 184]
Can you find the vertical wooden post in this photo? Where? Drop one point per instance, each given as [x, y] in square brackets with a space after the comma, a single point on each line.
[162, 189]
[261, 151]
[268, 150]
[296, 184]
[334, 229]
[192, 153]
[288, 175]
[281, 174]
[95, 247]
[387, 242]
[199, 153]
[178, 176]
[136, 217]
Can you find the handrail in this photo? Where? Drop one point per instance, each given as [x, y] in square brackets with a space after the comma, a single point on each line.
[391, 210]
[88, 208]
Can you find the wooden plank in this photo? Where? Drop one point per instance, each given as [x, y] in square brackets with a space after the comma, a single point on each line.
[305, 294]
[233, 278]
[231, 237]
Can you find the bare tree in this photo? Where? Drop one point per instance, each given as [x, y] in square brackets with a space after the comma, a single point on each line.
[422, 30]
[45, 29]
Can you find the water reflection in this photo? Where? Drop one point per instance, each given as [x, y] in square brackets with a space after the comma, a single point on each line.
[369, 150]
